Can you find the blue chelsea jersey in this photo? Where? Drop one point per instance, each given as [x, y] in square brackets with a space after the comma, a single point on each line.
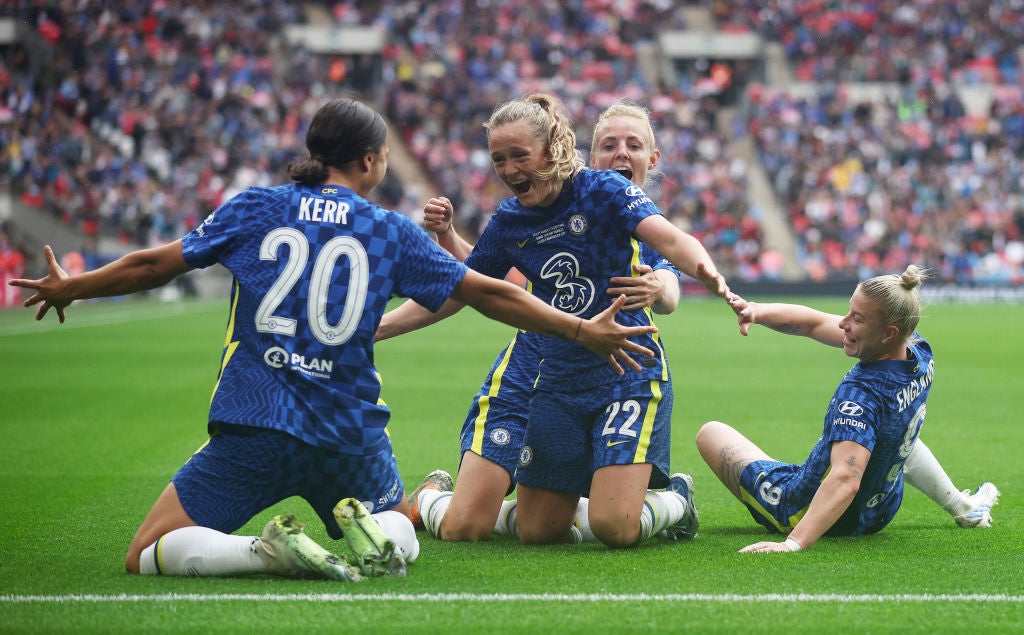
[568, 252]
[881, 406]
[314, 268]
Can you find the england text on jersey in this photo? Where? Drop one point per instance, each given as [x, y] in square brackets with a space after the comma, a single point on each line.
[915, 387]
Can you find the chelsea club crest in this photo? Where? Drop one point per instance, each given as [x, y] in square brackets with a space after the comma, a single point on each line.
[577, 224]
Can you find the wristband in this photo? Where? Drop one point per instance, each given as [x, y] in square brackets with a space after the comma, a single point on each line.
[793, 545]
[578, 326]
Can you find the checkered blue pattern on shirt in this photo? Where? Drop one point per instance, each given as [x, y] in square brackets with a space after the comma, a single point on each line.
[881, 406]
[324, 261]
[569, 251]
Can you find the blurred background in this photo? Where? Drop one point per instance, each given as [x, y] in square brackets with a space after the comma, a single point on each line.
[807, 144]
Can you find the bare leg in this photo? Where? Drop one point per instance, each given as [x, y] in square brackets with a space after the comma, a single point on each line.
[479, 490]
[166, 515]
[545, 516]
[617, 495]
[403, 506]
[727, 452]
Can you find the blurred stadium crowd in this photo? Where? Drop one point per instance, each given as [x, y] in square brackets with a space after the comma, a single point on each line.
[150, 113]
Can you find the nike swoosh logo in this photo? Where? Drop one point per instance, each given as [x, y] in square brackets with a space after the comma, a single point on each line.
[612, 444]
[522, 243]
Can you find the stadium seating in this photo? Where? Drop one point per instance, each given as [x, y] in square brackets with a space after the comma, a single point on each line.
[148, 116]
[906, 146]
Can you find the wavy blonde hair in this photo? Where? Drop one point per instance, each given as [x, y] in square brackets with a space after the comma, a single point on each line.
[548, 124]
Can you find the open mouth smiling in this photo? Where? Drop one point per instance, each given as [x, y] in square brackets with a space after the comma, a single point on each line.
[625, 171]
[521, 188]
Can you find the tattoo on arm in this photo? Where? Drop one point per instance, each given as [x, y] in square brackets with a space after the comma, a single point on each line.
[788, 328]
[855, 469]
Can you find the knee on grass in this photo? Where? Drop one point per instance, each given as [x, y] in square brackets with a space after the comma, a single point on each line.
[615, 532]
[456, 529]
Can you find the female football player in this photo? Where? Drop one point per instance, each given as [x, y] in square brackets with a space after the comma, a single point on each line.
[295, 411]
[492, 434]
[852, 482]
[569, 231]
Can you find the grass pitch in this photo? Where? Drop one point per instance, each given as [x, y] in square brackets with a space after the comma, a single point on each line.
[97, 415]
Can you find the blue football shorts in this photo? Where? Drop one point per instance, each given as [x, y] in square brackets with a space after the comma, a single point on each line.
[767, 492]
[243, 470]
[495, 429]
[778, 494]
[495, 426]
[572, 435]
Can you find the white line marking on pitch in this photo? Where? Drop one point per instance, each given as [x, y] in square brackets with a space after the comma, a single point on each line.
[512, 597]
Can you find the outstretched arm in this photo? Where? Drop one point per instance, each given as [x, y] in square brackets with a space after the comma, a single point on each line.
[410, 316]
[834, 495]
[138, 271]
[684, 251]
[791, 319]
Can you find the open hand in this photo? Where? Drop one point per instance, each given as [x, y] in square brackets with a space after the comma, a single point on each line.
[609, 339]
[47, 290]
[713, 281]
[767, 546]
[640, 291]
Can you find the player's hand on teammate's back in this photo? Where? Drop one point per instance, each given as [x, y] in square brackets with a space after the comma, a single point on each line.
[640, 291]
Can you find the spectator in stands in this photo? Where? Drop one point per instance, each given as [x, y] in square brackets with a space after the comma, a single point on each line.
[192, 102]
[871, 184]
[12, 265]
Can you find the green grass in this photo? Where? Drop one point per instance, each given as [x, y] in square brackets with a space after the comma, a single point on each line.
[96, 416]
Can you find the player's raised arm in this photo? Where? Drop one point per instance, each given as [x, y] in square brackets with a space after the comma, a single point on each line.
[439, 217]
